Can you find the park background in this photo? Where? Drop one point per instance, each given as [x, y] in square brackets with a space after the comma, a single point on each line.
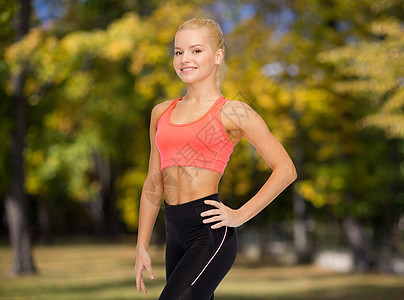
[79, 79]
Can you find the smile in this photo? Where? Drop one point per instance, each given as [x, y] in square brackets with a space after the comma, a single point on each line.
[188, 69]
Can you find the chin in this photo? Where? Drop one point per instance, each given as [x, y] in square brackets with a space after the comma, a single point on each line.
[188, 80]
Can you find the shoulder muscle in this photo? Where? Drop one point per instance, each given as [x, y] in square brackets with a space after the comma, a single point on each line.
[236, 115]
[158, 110]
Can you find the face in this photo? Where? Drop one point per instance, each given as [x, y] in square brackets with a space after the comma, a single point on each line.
[195, 59]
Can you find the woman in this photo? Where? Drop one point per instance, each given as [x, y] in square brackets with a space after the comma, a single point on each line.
[191, 142]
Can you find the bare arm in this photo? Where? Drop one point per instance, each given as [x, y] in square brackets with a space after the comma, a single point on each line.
[275, 155]
[150, 202]
[255, 130]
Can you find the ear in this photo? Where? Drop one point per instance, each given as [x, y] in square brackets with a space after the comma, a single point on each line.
[219, 56]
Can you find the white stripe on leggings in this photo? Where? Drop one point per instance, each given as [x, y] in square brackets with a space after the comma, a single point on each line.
[225, 232]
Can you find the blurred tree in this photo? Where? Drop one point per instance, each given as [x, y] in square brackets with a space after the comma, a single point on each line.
[312, 107]
[307, 67]
[346, 169]
[371, 72]
[377, 82]
[91, 95]
[16, 201]
[8, 10]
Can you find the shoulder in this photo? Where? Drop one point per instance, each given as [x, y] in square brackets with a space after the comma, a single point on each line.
[238, 106]
[159, 108]
[238, 114]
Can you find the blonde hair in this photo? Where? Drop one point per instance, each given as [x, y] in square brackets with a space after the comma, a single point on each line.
[215, 35]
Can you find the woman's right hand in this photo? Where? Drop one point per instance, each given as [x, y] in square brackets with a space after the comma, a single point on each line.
[143, 261]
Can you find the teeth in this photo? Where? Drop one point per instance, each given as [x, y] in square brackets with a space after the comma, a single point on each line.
[188, 69]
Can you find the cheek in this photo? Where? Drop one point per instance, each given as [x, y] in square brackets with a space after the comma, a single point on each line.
[206, 60]
[177, 66]
[175, 61]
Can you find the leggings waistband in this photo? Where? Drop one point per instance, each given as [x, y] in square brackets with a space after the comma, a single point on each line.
[191, 205]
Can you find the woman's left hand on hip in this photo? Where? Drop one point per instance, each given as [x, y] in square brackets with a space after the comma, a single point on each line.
[222, 214]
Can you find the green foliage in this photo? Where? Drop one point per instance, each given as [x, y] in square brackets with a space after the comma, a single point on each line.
[8, 10]
[373, 71]
[326, 76]
[92, 91]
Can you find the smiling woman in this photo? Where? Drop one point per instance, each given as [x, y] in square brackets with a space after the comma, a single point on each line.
[207, 42]
[192, 139]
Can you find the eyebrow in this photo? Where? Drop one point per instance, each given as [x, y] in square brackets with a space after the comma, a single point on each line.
[192, 46]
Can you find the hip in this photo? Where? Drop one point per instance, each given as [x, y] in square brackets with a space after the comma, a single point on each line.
[184, 223]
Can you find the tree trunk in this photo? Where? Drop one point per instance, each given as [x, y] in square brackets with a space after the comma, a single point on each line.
[45, 225]
[16, 201]
[96, 209]
[357, 241]
[103, 208]
[300, 240]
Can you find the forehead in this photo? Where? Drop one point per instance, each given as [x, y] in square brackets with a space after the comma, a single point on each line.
[185, 38]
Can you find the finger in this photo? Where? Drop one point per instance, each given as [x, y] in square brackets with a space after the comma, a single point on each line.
[139, 279]
[218, 225]
[143, 287]
[150, 271]
[213, 203]
[140, 283]
[212, 219]
[210, 212]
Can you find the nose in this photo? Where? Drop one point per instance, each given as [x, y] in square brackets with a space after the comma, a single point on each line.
[185, 57]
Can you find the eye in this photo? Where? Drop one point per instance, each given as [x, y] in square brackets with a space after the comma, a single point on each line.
[177, 52]
[197, 51]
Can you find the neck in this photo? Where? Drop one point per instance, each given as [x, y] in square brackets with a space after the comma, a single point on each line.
[205, 90]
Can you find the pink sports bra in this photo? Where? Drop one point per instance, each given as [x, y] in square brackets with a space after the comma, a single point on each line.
[202, 143]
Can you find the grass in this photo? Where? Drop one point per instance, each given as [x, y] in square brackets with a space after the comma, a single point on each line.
[105, 271]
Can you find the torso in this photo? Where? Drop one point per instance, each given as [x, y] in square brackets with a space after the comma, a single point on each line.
[183, 183]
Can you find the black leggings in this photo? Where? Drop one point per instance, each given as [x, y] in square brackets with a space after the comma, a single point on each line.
[197, 257]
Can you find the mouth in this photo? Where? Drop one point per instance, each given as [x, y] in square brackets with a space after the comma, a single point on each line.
[188, 69]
